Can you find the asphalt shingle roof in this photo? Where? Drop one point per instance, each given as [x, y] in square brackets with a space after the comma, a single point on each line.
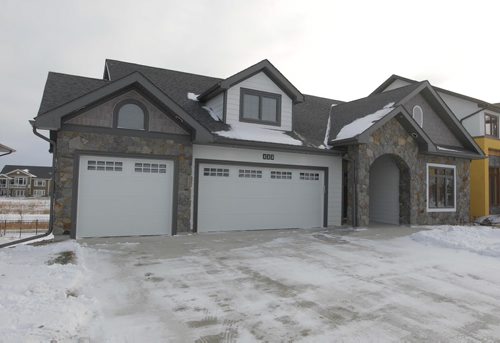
[348, 112]
[38, 171]
[310, 117]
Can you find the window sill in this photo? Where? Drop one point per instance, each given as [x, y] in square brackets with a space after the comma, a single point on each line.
[441, 209]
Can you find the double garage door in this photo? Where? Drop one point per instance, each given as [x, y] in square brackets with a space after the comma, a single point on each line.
[124, 196]
[246, 197]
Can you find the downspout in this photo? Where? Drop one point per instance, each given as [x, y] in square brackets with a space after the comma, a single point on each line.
[51, 218]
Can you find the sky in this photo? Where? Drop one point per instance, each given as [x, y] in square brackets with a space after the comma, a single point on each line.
[337, 49]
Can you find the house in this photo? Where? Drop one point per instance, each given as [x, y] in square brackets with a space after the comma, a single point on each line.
[480, 119]
[25, 181]
[148, 151]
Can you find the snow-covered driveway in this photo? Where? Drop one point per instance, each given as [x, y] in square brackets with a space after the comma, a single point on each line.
[312, 286]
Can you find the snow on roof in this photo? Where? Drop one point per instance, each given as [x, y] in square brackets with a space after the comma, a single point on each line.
[192, 96]
[259, 134]
[446, 149]
[360, 125]
[212, 113]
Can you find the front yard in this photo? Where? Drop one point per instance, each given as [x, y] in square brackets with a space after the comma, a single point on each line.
[383, 284]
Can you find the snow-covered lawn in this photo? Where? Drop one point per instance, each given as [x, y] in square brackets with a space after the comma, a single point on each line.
[383, 284]
[24, 208]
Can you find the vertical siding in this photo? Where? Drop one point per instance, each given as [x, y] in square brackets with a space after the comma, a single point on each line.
[259, 82]
[217, 105]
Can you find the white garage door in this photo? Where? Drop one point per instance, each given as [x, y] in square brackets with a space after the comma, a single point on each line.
[251, 198]
[124, 197]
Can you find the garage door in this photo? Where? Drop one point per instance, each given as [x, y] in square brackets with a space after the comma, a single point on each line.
[250, 198]
[124, 197]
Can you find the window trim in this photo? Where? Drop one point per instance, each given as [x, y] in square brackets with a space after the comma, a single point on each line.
[491, 115]
[449, 166]
[260, 94]
[122, 103]
[421, 123]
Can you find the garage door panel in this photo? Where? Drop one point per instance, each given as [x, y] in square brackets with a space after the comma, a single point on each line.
[127, 201]
[232, 202]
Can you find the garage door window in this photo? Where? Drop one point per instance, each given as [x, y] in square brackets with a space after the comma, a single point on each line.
[104, 165]
[281, 175]
[152, 168]
[309, 176]
[216, 172]
[250, 173]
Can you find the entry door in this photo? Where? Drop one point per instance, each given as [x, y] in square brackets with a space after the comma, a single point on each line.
[384, 191]
[124, 196]
[233, 197]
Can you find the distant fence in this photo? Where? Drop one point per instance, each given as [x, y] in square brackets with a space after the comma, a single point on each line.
[23, 227]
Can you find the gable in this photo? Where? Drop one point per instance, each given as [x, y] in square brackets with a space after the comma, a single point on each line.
[437, 130]
[102, 114]
[258, 82]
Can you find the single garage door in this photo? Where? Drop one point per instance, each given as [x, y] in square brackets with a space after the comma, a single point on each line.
[124, 197]
[254, 198]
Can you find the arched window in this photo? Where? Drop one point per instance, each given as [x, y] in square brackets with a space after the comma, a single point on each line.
[130, 114]
[418, 115]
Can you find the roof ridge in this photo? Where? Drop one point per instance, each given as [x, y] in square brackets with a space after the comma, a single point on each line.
[413, 85]
[322, 97]
[164, 69]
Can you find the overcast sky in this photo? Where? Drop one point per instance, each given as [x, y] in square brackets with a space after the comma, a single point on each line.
[337, 49]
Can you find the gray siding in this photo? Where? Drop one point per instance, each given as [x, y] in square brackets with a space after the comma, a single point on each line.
[434, 126]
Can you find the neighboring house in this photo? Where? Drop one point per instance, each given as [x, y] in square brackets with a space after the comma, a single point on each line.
[480, 119]
[25, 181]
[148, 151]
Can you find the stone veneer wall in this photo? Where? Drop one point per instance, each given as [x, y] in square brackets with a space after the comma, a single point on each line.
[70, 141]
[392, 138]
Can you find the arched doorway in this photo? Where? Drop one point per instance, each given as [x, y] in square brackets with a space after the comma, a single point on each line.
[389, 191]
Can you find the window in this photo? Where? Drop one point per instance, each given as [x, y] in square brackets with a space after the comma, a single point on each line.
[440, 188]
[260, 107]
[39, 193]
[281, 175]
[494, 186]
[250, 173]
[309, 176]
[3, 183]
[216, 172]
[418, 115]
[490, 125]
[40, 183]
[130, 114]
[19, 181]
[105, 165]
[152, 168]
[19, 192]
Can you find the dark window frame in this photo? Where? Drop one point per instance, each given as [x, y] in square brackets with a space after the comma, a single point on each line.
[494, 186]
[446, 179]
[260, 94]
[116, 113]
[493, 125]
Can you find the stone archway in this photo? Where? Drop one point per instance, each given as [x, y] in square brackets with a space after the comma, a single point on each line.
[389, 191]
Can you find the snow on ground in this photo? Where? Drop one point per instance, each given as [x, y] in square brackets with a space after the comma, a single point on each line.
[259, 134]
[24, 208]
[41, 302]
[478, 239]
[287, 285]
[13, 235]
[360, 125]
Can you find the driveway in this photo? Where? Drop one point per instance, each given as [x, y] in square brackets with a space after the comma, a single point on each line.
[295, 285]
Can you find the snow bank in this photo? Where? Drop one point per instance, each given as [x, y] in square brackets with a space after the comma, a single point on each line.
[259, 134]
[480, 240]
[360, 125]
[42, 301]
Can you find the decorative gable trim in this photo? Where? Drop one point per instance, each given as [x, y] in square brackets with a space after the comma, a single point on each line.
[263, 66]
